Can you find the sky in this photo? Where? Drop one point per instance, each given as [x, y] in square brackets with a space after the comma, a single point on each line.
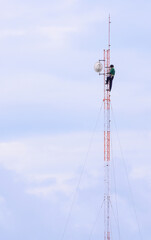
[51, 119]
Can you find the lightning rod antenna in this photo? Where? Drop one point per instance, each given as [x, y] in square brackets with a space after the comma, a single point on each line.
[109, 33]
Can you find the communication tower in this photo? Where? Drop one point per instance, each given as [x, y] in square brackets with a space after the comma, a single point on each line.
[107, 103]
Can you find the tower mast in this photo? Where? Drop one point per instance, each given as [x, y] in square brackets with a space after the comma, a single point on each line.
[107, 102]
[107, 120]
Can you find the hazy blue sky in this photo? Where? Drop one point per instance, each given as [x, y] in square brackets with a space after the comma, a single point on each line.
[50, 98]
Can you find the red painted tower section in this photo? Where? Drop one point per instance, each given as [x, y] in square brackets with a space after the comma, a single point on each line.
[107, 103]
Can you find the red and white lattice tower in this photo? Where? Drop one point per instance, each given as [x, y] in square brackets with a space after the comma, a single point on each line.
[107, 103]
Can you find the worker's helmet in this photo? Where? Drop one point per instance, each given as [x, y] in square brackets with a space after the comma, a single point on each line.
[111, 65]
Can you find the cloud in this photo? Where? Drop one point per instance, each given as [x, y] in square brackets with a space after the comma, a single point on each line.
[57, 35]
[52, 164]
[142, 172]
[5, 215]
[44, 90]
[59, 185]
[12, 33]
[55, 160]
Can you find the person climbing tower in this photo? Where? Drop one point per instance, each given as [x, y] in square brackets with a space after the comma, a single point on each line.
[110, 77]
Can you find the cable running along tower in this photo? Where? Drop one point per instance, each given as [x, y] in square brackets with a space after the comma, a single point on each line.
[107, 103]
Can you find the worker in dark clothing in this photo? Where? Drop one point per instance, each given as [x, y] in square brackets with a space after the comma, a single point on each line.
[110, 77]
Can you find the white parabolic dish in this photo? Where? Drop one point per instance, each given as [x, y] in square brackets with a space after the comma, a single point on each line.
[98, 67]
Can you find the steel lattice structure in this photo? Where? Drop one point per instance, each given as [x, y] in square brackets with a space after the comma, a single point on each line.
[107, 103]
